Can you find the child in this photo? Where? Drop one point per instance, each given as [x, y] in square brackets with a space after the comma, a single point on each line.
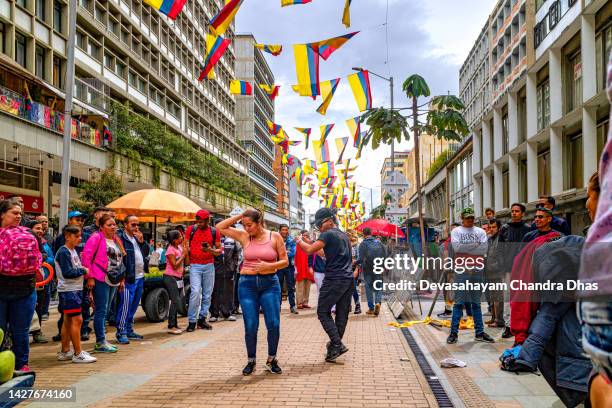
[70, 274]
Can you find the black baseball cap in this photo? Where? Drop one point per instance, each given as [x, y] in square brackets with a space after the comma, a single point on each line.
[323, 214]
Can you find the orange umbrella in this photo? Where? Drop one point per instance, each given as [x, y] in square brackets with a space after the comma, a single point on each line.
[155, 205]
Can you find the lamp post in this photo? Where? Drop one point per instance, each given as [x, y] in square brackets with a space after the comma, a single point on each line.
[390, 80]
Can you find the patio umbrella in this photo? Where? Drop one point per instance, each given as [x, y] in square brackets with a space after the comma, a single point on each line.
[152, 205]
[382, 228]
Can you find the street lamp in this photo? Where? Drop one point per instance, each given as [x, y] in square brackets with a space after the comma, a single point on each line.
[390, 80]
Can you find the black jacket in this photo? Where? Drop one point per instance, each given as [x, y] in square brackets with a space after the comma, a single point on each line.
[495, 264]
[130, 259]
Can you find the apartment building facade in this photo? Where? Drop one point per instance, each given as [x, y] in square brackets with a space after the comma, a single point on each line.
[125, 51]
[252, 114]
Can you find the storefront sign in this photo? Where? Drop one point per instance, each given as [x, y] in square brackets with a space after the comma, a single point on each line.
[31, 204]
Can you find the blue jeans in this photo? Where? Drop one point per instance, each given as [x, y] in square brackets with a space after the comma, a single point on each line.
[129, 299]
[202, 282]
[17, 313]
[476, 314]
[255, 291]
[373, 296]
[596, 321]
[287, 276]
[101, 295]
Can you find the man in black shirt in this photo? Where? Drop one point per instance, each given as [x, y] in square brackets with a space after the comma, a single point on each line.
[338, 284]
[542, 221]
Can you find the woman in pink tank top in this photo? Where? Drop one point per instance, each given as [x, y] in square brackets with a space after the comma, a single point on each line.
[258, 287]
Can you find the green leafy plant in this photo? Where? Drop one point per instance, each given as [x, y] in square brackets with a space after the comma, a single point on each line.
[439, 162]
[99, 191]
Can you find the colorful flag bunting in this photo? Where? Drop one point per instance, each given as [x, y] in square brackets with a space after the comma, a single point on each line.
[273, 128]
[325, 131]
[220, 23]
[307, 70]
[328, 89]
[325, 48]
[346, 14]
[270, 49]
[354, 127]
[171, 8]
[360, 85]
[238, 87]
[363, 141]
[215, 47]
[321, 150]
[299, 176]
[293, 2]
[306, 133]
[310, 166]
[341, 143]
[271, 90]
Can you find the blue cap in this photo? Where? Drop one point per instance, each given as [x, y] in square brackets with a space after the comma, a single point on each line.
[73, 214]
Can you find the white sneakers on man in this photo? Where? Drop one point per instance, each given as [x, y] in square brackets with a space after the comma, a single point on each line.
[84, 357]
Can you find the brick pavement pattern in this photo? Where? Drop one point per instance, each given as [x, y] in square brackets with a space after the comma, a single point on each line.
[204, 368]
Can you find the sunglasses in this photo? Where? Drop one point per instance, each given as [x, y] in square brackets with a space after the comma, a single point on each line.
[541, 216]
[133, 224]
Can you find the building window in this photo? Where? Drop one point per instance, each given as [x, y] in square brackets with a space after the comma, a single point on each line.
[522, 171]
[108, 61]
[40, 9]
[2, 38]
[505, 134]
[554, 14]
[41, 54]
[57, 16]
[22, 3]
[543, 100]
[20, 49]
[506, 189]
[120, 69]
[602, 136]
[574, 81]
[99, 14]
[544, 173]
[603, 46]
[57, 73]
[93, 49]
[18, 176]
[573, 162]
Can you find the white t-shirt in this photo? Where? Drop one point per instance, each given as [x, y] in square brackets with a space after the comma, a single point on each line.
[139, 260]
[471, 241]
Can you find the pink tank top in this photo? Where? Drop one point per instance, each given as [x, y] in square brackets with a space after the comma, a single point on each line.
[258, 251]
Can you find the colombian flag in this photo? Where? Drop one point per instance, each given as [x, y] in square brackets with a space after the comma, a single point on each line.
[293, 2]
[240, 88]
[272, 91]
[321, 150]
[327, 47]
[171, 8]
[307, 70]
[223, 19]
[354, 126]
[309, 166]
[299, 176]
[215, 47]
[306, 133]
[325, 131]
[346, 15]
[273, 128]
[328, 89]
[360, 84]
[341, 143]
[270, 49]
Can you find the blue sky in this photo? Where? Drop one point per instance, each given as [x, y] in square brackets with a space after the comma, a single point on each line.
[428, 37]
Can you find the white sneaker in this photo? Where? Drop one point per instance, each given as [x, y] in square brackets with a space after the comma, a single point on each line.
[212, 319]
[84, 357]
[61, 356]
[231, 318]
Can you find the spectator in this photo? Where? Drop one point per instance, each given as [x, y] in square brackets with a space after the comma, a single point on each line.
[136, 265]
[339, 282]
[204, 244]
[223, 293]
[176, 253]
[304, 273]
[70, 279]
[76, 218]
[44, 222]
[543, 223]
[494, 273]
[449, 297]
[489, 214]
[557, 223]
[17, 279]
[468, 241]
[103, 258]
[42, 293]
[18, 200]
[264, 254]
[370, 249]
[354, 253]
[286, 276]
[95, 227]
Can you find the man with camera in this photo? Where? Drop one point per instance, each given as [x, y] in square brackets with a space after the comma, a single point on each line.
[204, 243]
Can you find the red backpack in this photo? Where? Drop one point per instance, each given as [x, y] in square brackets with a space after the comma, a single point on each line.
[19, 252]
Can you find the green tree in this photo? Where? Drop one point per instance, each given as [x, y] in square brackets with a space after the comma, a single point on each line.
[100, 191]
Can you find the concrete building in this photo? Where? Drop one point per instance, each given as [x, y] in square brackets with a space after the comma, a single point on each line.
[548, 119]
[125, 51]
[252, 114]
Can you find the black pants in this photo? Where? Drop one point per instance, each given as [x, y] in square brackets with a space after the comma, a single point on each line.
[236, 298]
[222, 302]
[286, 276]
[339, 293]
[171, 285]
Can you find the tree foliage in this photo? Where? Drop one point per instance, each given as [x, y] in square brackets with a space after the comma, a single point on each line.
[444, 118]
[385, 125]
[415, 86]
[439, 162]
[142, 138]
[98, 192]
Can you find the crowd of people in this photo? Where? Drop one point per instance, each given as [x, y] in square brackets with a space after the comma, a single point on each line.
[235, 267]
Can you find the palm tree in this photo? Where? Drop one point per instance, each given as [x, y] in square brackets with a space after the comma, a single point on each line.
[443, 119]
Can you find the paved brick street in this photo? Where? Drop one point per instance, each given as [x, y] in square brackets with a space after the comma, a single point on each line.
[204, 368]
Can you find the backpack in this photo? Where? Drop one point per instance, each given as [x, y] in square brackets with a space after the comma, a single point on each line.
[19, 252]
[213, 233]
[374, 249]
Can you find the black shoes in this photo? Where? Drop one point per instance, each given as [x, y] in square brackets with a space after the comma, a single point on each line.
[272, 366]
[57, 337]
[202, 324]
[445, 313]
[484, 337]
[191, 327]
[84, 336]
[333, 352]
[452, 338]
[507, 334]
[249, 368]
[357, 309]
[294, 310]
